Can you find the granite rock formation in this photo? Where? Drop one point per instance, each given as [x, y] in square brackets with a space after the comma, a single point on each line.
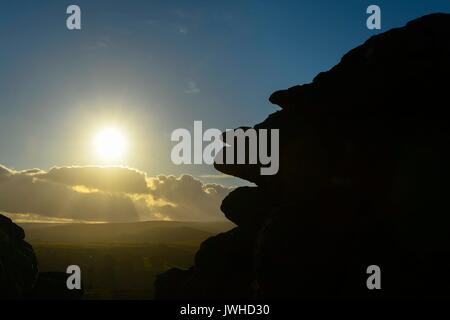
[18, 264]
[19, 275]
[363, 179]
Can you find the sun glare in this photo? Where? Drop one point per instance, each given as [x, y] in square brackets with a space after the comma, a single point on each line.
[110, 144]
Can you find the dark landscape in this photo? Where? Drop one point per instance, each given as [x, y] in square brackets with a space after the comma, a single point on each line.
[121, 260]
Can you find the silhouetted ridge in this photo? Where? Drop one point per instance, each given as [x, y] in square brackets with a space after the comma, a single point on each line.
[363, 179]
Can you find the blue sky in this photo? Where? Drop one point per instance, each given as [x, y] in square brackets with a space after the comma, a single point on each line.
[153, 66]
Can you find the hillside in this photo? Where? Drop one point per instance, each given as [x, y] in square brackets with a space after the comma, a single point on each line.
[186, 233]
[118, 260]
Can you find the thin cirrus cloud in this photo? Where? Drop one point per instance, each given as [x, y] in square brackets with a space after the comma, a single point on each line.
[192, 88]
[106, 194]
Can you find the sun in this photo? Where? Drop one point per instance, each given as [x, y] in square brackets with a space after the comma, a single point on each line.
[110, 144]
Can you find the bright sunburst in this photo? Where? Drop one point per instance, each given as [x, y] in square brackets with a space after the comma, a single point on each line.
[110, 144]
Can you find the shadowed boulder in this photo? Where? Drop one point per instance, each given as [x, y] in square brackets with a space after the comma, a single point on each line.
[19, 276]
[246, 206]
[18, 264]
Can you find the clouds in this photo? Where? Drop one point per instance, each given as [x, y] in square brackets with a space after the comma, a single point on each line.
[183, 30]
[107, 194]
[113, 179]
[4, 173]
[192, 88]
[186, 194]
[25, 192]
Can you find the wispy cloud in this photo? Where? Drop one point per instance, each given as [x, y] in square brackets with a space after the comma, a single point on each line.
[183, 30]
[192, 88]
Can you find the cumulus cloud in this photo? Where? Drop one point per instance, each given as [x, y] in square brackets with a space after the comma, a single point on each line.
[185, 194]
[114, 179]
[22, 192]
[107, 194]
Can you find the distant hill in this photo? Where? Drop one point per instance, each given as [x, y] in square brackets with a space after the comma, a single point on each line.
[166, 232]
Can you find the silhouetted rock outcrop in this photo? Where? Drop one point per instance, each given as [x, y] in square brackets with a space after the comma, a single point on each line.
[19, 276]
[18, 264]
[363, 180]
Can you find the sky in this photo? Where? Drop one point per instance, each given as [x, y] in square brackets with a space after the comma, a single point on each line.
[150, 67]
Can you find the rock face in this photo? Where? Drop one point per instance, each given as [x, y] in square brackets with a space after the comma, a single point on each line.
[363, 180]
[18, 264]
[19, 276]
